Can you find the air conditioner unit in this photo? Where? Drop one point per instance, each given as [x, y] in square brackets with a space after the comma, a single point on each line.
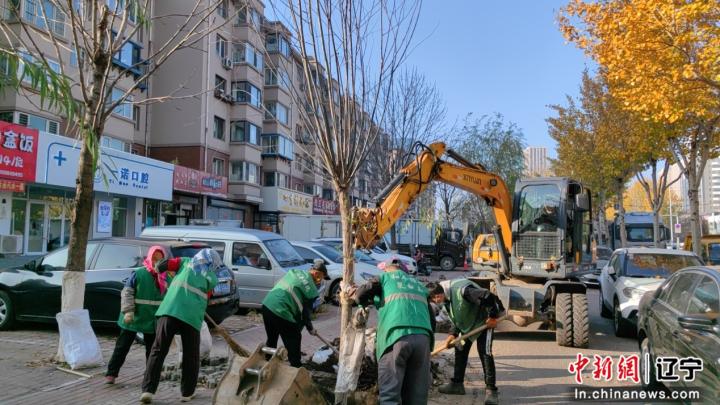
[228, 98]
[219, 93]
[11, 244]
[227, 63]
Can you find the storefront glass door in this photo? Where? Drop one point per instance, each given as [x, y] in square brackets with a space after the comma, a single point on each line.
[37, 229]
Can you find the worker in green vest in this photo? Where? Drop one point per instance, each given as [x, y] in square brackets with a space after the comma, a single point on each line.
[139, 300]
[287, 308]
[182, 312]
[404, 333]
[469, 306]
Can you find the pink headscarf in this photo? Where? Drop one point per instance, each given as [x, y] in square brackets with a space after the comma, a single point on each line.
[160, 282]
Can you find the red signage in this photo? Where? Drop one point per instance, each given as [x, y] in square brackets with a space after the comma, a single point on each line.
[325, 207]
[12, 185]
[18, 152]
[195, 181]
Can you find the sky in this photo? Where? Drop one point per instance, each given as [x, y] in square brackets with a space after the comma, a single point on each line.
[498, 56]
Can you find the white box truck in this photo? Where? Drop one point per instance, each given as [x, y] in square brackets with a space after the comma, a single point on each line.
[309, 227]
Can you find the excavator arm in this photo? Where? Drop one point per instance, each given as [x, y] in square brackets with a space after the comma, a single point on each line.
[370, 224]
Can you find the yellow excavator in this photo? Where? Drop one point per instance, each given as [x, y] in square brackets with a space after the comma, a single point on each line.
[542, 236]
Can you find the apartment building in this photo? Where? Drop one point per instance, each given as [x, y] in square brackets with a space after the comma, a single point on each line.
[35, 208]
[536, 161]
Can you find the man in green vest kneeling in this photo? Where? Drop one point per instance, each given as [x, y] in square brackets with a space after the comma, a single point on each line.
[288, 307]
[405, 334]
[469, 306]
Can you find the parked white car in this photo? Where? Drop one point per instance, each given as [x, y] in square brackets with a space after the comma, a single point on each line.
[632, 272]
[310, 251]
[375, 253]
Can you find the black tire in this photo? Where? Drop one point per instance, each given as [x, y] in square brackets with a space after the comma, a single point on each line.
[564, 320]
[7, 312]
[605, 312]
[651, 384]
[622, 327]
[581, 320]
[334, 295]
[447, 263]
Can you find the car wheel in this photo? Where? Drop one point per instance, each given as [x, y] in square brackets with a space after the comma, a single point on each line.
[447, 263]
[334, 295]
[604, 311]
[646, 353]
[581, 320]
[620, 324]
[563, 320]
[7, 312]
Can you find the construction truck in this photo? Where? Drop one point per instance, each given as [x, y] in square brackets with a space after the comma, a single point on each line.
[639, 231]
[543, 236]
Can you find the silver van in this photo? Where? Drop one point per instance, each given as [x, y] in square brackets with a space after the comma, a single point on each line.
[257, 258]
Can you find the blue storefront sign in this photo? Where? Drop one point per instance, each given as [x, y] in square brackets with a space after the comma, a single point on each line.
[118, 172]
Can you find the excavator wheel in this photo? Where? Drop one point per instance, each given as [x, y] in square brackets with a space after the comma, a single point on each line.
[571, 320]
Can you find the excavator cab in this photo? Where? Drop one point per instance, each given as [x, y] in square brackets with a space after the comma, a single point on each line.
[551, 227]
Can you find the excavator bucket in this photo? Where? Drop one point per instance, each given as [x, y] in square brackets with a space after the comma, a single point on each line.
[255, 380]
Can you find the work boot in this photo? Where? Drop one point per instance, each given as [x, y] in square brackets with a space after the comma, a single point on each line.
[491, 397]
[146, 398]
[452, 388]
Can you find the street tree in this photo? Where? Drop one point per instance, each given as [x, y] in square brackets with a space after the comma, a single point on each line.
[37, 45]
[660, 57]
[598, 142]
[414, 113]
[497, 145]
[350, 54]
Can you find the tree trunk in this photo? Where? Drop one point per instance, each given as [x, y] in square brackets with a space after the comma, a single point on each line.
[73, 281]
[656, 226]
[621, 211]
[348, 258]
[602, 223]
[694, 210]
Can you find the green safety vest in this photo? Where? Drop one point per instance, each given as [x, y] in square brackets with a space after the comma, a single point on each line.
[186, 298]
[288, 295]
[147, 301]
[402, 310]
[465, 315]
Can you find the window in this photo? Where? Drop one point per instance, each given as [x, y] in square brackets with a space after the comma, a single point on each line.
[222, 9]
[244, 171]
[128, 56]
[275, 179]
[539, 208]
[276, 43]
[248, 254]
[246, 92]
[680, 292]
[220, 46]
[657, 265]
[246, 53]
[114, 143]
[215, 245]
[119, 6]
[119, 223]
[308, 255]
[274, 77]
[706, 298]
[327, 194]
[57, 260]
[274, 144]
[283, 252]
[244, 131]
[220, 84]
[218, 167]
[218, 128]
[115, 256]
[36, 122]
[124, 109]
[313, 189]
[55, 18]
[248, 15]
[275, 110]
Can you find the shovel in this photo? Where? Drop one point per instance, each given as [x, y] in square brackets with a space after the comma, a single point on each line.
[234, 346]
[461, 339]
[322, 339]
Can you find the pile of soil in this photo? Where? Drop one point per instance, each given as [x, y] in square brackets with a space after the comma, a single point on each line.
[211, 372]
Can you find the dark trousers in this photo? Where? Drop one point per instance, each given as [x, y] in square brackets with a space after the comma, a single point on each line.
[167, 328]
[404, 371]
[484, 348]
[288, 331]
[122, 347]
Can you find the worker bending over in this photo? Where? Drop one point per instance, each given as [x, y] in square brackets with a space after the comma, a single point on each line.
[287, 308]
[404, 334]
[182, 312]
[470, 306]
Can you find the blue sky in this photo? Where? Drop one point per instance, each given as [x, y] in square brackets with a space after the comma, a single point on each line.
[498, 56]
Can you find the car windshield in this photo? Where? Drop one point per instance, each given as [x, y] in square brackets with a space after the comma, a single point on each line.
[362, 256]
[603, 253]
[639, 234]
[657, 265]
[332, 254]
[284, 253]
[539, 208]
[186, 251]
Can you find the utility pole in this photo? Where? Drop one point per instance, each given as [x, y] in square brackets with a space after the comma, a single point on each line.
[672, 224]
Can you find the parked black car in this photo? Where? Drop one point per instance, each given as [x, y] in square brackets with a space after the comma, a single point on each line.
[682, 319]
[32, 292]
